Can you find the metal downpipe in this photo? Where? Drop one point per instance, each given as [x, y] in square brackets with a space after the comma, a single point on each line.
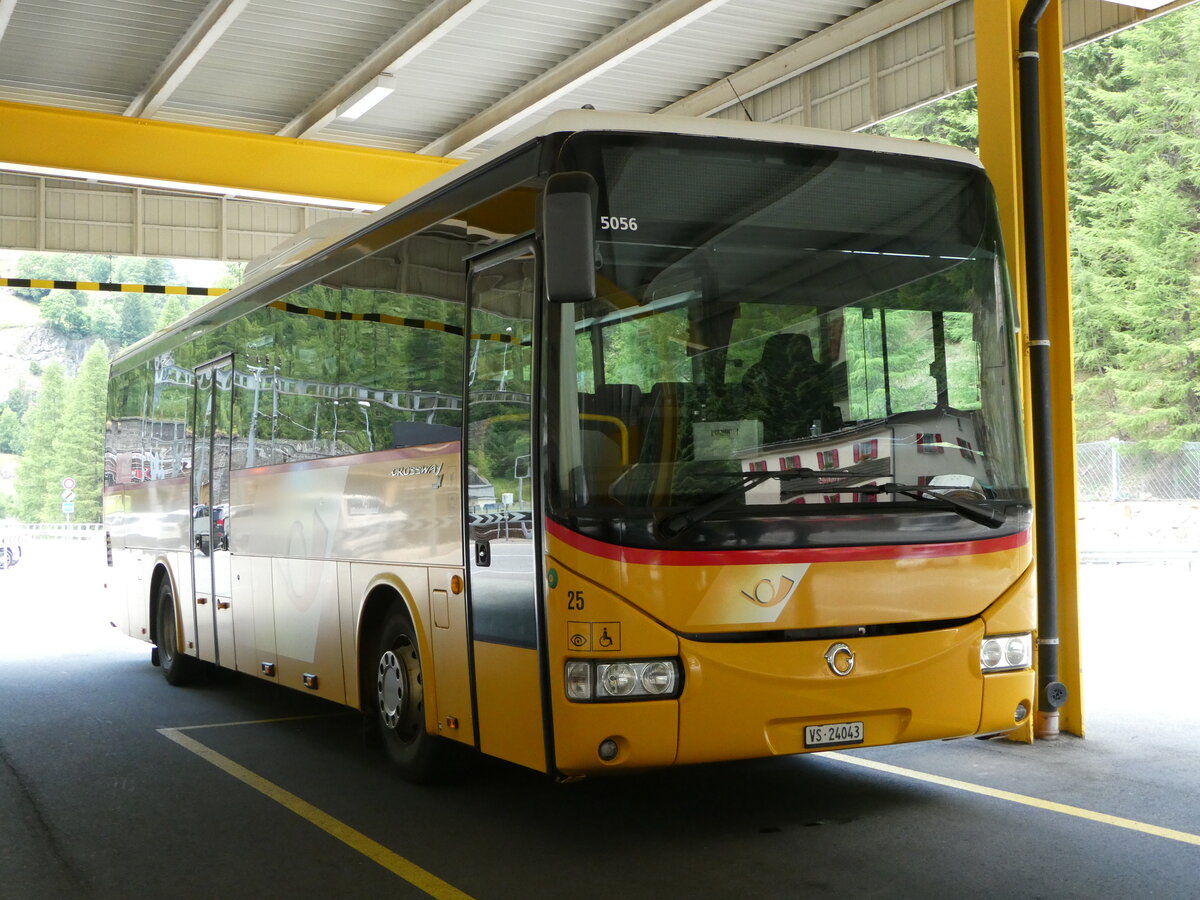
[1052, 694]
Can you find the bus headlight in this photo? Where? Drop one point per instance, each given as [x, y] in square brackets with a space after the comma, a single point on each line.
[1004, 652]
[594, 680]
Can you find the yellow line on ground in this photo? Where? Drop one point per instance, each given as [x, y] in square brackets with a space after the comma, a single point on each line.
[373, 850]
[1024, 800]
[258, 721]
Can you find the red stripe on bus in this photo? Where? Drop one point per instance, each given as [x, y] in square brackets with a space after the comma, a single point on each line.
[644, 557]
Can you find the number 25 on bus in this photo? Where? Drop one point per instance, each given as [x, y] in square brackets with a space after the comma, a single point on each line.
[638, 442]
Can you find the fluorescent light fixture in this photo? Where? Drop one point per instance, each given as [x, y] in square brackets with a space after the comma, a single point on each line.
[367, 97]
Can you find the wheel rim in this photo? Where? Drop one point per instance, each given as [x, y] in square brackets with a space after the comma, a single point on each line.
[166, 631]
[398, 687]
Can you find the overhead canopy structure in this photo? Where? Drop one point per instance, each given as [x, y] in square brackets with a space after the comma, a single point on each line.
[443, 78]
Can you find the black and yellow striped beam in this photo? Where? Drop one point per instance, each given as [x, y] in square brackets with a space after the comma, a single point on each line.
[334, 315]
[114, 287]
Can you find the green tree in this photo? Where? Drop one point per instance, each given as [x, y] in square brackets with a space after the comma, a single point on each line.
[59, 267]
[952, 120]
[66, 312]
[1133, 142]
[10, 432]
[37, 489]
[79, 446]
[1135, 155]
[136, 319]
[172, 311]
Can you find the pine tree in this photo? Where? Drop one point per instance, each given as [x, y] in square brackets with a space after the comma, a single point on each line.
[36, 486]
[172, 311]
[79, 447]
[1137, 239]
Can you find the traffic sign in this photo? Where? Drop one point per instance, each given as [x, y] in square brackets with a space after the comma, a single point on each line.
[68, 495]
[68, 483]
[68, 508]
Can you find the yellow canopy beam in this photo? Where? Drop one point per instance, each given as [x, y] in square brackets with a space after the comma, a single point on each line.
[999, 136]
[54, 141]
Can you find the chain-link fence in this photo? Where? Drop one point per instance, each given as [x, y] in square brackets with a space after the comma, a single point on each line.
[1130, 470]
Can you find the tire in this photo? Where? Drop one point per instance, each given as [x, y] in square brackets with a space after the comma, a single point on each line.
[396, 692]
[177, 668]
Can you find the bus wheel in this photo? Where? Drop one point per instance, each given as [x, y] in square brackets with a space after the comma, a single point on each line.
[400, 699]
[176, 667]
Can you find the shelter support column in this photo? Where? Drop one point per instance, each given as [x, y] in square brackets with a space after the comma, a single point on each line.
[999, 145]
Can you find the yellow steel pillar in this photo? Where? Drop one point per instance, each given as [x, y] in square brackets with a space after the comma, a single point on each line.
[999, 140]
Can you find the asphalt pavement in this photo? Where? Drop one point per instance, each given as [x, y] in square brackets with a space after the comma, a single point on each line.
[114, 784]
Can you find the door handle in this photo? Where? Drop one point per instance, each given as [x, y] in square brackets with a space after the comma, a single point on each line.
[483, 553]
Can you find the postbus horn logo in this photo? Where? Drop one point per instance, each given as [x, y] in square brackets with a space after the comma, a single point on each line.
[766, 594]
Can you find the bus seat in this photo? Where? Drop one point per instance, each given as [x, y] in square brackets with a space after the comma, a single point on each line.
[787, 389]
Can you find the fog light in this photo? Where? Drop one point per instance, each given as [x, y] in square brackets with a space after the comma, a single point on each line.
[608, 749]
[1021, 713]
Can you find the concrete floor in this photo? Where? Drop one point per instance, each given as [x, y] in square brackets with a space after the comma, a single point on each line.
[96, 801]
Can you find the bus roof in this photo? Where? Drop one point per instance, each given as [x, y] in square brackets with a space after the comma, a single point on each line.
[331, 232]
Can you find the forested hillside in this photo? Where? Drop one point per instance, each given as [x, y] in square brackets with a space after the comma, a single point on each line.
[1133, 120]
[56, 351]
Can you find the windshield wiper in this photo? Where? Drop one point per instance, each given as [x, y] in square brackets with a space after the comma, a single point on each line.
[673, 526]
[984, 515]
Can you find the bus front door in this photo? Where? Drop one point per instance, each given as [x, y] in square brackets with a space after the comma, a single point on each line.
[501, 535]
[211, 594]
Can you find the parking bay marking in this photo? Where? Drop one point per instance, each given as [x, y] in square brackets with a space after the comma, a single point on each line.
[356, 840]
[1022, 799]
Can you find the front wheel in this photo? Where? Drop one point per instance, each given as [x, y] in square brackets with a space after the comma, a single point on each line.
[399, 700]
[177, 668]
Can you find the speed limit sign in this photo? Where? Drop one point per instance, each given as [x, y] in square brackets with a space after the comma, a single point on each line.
[68, 483]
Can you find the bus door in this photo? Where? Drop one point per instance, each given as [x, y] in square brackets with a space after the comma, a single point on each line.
[502, 537]
[210, 513]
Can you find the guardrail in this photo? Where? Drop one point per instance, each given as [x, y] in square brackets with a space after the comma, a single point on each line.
[73, 531]
[1133, 556]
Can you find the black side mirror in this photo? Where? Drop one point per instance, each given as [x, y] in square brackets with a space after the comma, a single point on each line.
[568, 223]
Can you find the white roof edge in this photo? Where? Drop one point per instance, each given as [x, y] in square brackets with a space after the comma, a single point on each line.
[571, 120]
[595, 120]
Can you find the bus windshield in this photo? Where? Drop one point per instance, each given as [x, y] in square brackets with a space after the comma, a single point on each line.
[790, 346]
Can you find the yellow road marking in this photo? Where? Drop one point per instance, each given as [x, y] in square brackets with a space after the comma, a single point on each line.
[257, 722]
[373, 850]
[1024, 800]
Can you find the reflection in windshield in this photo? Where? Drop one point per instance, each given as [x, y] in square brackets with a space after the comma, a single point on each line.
[837, 317]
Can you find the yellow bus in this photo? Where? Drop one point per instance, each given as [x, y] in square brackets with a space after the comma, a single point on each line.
[638, 442]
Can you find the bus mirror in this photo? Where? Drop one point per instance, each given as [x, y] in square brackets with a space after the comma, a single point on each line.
[568, 217]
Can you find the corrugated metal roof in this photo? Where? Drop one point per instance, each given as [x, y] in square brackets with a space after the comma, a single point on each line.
[469, 73]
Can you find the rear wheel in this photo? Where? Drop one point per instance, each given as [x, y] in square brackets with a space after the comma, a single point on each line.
[177, 668]
[399, 700]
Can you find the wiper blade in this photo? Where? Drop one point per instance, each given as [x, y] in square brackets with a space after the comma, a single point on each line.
[987, 516]
[675, 525]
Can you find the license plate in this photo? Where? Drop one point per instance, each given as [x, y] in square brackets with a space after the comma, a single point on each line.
[838, 734]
